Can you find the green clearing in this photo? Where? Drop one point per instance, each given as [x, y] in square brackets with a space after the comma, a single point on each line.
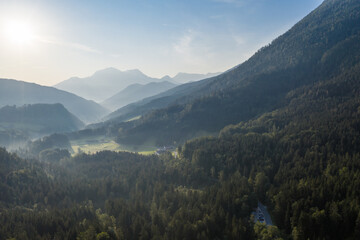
[133, 119]
[93, 145]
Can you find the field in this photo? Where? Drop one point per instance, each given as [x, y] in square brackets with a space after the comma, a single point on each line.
[93, 145]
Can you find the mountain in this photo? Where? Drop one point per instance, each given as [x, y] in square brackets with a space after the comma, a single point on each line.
[39, 119]
[323, 45]
[107, 82]
[158, 101]
[136, 92]
[191, 77]
[20, 124]
[13, 92]
[104, 83]
[300, 160]
[303, 158]
[297, 152]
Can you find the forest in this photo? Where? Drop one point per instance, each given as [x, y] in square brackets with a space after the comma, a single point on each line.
[302, 161]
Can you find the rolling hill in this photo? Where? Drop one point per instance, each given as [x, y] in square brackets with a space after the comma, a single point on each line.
[323, 45]
[20, 124]
[13, 92]
[39, 119]
[136, 92]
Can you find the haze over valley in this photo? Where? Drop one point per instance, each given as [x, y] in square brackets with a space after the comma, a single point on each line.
[249, 127]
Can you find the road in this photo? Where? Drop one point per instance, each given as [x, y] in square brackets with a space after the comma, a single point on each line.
[262, 215]
[264, 210]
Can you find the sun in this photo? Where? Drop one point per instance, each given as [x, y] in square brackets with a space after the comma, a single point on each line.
[19, 32]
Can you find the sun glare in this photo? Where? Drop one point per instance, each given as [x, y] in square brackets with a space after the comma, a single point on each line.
[19, 32]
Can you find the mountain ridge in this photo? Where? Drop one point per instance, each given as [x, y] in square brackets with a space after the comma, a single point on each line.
[136, 92]
[51, 118]
[107, 82]
[103, 83]
[311, 51]
[15, 92]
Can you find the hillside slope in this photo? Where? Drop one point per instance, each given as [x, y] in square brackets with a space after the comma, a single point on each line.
[136, 92]
[321, 46]
[13, 92]
[303, 158]
[39, 119]
[158, 101]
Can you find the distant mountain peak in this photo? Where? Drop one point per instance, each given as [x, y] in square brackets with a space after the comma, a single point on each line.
[109, 81]
[135, 70]
[166, 78]
[107, 71]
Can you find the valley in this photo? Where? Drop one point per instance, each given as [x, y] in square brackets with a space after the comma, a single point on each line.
[121, 155]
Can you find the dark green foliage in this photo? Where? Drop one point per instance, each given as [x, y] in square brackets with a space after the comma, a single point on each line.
[13, 139]
[54, 155]
[303, 159]
[52, 141]
[22, 182]
[138, 195]
[48, 148]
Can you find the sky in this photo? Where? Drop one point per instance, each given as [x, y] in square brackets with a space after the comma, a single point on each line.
[48, 41]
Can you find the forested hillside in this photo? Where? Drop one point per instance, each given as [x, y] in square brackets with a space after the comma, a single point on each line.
[321, 46]
[158, 101]
[301, 160]
[304, 156]
[39, 119]
[18, 125]
[119, 196]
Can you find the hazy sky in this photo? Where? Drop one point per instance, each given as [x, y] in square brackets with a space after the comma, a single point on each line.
[47, 41]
